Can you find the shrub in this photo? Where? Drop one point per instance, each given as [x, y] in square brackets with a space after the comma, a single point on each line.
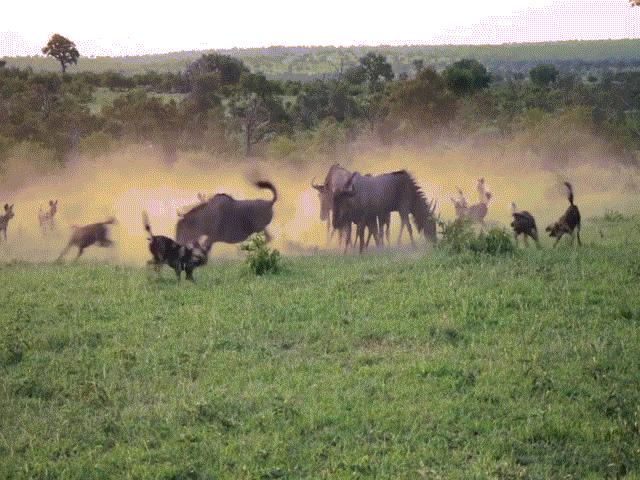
[260, 258]
[459, 236]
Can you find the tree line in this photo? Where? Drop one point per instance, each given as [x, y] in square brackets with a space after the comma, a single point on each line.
[219, 105]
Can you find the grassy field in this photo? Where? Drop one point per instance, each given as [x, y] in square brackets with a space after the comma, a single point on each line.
[388, 366]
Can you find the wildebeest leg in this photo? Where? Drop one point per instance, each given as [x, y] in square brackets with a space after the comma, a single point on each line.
[360, 233]
[526, 240]
[515, 236]
[347, 241]
[578, 234]
[557, 240]
[389, 230]
[80, 250]
[401, 230]
[267, 236]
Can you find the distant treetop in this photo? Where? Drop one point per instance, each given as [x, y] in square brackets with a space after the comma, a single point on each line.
[62, 49]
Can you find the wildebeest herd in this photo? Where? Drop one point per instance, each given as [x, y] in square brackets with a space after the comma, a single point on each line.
[347, 199]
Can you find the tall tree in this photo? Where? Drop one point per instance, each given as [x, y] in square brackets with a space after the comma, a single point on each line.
[466, 77]
[376, 69]
[62, 49]
[543, 75]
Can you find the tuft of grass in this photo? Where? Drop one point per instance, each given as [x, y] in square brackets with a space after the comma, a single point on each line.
[260, 258]
[459, 236]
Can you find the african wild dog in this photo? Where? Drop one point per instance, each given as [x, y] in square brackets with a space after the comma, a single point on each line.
[524, 224]
[4, 219]
[46, 219]
[179, 257]
[568, 222]
[83, 237]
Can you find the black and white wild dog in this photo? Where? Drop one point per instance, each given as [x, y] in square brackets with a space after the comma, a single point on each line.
[568, 222]
[179, 257]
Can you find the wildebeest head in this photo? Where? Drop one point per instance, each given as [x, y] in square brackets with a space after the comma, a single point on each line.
[342, 207]
[8, 211]
[325, 199]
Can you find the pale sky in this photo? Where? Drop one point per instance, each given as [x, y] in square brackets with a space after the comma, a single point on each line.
[120, 27]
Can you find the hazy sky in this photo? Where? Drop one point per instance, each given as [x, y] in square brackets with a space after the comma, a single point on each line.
[120, 27]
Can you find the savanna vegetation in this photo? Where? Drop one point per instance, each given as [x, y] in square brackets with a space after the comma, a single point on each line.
[563, 102]
[455, 364]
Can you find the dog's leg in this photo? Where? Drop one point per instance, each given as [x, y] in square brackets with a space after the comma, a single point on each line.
[526, 241]
[579, 241]
[557, 240]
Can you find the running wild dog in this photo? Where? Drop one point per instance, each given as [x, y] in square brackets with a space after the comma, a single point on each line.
[568, 222]
[476, 212]
[179, 257]
[83, 237]
[4, 219]
[524, 224]
[46, 219]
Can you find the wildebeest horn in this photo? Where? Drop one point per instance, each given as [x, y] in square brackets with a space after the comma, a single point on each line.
[317, 187]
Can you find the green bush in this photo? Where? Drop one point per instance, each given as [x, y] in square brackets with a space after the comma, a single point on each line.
[459, 237]
[260, 258]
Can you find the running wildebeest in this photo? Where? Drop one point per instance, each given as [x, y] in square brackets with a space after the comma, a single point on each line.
[46, 219]
[222, 218]
[85, 236]
[524, 224]
[365, 199]
[4, 219]
[179, 257]
[336, 178]
[568, 222]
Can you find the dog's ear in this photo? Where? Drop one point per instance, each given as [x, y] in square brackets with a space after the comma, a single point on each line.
[6, 207]
[549, 228]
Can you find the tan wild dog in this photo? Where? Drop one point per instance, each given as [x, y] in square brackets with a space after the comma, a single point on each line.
[4, 219]
[46, 219]
[83, 237]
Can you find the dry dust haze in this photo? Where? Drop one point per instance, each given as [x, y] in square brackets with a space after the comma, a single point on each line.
[126, 182]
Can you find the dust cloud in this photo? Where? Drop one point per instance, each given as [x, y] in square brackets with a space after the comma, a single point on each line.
[126, 182]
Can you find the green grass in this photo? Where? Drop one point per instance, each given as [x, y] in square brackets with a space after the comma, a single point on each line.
[385, 366]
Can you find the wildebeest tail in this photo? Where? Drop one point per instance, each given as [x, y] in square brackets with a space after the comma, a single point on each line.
[269, 186]
[569, 192]
[147, 224]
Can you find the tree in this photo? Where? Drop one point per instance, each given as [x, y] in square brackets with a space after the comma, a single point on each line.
[254, 117]
[228, 69]
[62, 49]
[466, 77]
[543, 75]
[376, 68]
[423, 101]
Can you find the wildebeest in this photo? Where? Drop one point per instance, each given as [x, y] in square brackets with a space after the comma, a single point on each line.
[336, 178]
[179, 257]
[85, 236]
[46, 219]
[4, 219]
[222, 218]
[524, 224]
[365, 199]
[568, 222]
[202, 198]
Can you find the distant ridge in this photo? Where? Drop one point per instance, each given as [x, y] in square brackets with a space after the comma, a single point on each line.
[314, 61]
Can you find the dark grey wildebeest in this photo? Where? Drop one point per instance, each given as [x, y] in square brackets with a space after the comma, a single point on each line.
[366, 199]
[222, 218]
[336, 179]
